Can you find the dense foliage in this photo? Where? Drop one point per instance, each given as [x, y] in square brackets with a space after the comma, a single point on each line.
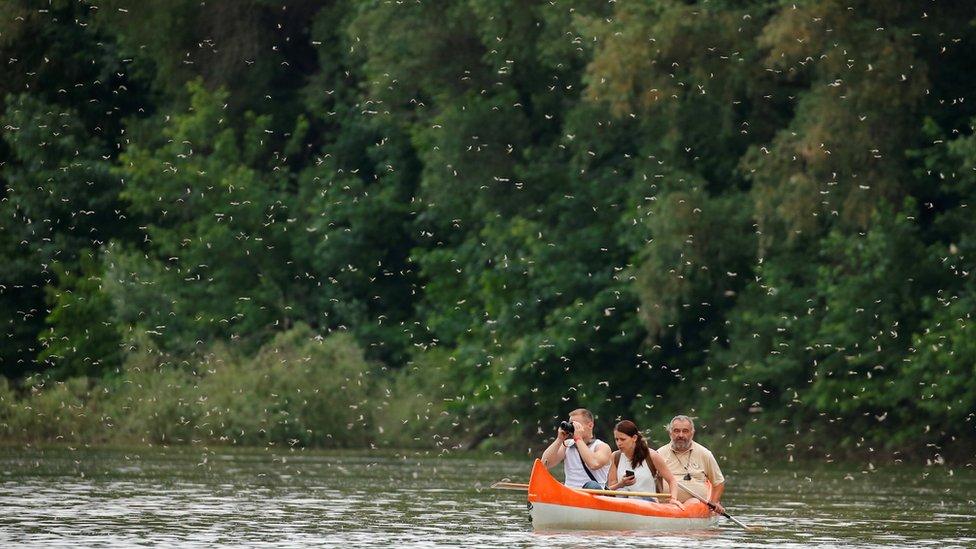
[444, 224]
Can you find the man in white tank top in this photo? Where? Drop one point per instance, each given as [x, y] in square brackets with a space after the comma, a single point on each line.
[586, 460]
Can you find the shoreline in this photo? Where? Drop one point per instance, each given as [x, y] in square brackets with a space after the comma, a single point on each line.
[729, 460]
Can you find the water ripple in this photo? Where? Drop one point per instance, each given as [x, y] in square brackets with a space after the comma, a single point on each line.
[97, 498]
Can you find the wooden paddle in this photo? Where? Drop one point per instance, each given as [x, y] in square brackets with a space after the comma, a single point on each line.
[625, 493]
[510, 486]
[714, 508]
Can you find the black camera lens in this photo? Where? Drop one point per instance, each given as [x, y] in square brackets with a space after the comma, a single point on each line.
[567, 427]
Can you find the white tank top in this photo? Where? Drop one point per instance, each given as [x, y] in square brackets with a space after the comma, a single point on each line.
[576, 476]
[642, 474]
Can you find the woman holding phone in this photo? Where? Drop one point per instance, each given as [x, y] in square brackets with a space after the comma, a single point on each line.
[635, 467]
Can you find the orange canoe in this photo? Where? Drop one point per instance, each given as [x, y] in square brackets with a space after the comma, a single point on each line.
[554, 506]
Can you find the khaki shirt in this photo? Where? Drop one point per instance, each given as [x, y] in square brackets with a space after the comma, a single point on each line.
[699, 461]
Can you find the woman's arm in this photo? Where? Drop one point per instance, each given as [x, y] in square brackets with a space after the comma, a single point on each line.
[662, 469]
[612, 476]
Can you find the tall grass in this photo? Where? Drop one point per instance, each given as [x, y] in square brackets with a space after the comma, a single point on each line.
[299, 389]
[417, 407]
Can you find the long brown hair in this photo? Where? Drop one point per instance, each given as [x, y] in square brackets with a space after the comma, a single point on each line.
[641, 451]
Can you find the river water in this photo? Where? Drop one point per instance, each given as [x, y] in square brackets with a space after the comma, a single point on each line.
[192, 497]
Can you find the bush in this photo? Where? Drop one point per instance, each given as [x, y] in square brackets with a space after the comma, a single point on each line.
[49, 411]
[298, 389]
[415, 406]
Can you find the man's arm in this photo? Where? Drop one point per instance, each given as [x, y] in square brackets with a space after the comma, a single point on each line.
[717, 491]
[715, 476]
[593, 460]
[556, 452]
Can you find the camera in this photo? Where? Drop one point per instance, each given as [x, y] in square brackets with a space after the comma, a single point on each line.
[567, 428]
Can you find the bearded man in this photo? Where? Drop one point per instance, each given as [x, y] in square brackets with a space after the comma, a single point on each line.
[691, 464]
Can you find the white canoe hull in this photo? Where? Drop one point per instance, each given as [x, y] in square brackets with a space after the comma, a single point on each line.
[549, 516]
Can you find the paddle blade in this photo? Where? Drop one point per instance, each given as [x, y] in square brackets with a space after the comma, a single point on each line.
[510, 486]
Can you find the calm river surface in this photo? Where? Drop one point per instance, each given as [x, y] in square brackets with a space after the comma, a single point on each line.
[200, 498]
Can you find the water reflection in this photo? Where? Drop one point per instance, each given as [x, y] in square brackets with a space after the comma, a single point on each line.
[192, 498]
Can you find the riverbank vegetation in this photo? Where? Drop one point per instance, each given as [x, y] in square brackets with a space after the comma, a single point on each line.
[445, 225]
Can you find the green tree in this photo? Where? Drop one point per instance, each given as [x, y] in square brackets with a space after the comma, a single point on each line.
[64, 95]
[217, 259]
[60, 198]
[82, 338]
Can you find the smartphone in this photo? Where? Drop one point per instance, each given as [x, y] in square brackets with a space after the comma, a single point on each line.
[629, 473]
